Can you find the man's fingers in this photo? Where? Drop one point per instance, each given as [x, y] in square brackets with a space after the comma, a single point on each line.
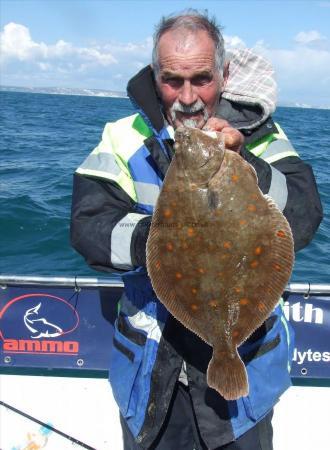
[233, 138]
[215, 124]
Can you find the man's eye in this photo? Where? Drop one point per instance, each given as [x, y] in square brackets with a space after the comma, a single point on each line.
[200, 80]
[173, 81]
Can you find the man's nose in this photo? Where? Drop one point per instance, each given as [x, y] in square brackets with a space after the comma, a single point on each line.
[187, 96]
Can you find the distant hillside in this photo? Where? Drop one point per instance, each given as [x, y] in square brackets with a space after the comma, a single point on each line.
[65, 91]
[300, 105]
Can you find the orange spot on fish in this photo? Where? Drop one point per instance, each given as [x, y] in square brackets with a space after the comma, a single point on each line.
[169, 246]
[227, 245]
[191, 232]
[178, 276]
[258, 250]
[237, 289]
[194, 307]
[157, 264]
[277, 267]
[235, 178]
[213, 303]
[194, 290]
[235, 333]
[242, 222]
[251, 208]
[261, 307]
[244, 301]
[254, 264]
[167, 213]
[201, 270]
[280, 234]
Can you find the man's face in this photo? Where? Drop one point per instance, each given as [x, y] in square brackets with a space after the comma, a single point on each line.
[188, 82]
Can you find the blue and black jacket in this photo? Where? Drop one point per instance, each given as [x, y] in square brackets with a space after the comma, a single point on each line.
[115, 191]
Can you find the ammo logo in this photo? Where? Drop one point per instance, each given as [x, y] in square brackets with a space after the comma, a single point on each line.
[38, 324]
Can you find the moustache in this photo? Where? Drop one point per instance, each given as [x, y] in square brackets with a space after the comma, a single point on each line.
[188, 109]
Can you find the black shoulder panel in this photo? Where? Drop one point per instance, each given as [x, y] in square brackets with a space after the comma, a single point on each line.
[141, 89]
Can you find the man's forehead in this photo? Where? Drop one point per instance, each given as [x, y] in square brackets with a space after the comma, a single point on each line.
[185, 42]
[196, 64]
[193, 53]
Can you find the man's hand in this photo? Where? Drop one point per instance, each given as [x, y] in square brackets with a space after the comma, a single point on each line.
[234, 139]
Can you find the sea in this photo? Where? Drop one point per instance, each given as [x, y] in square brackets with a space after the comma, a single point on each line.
[45, 137]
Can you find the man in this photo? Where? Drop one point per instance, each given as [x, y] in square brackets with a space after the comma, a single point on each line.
[157, 369]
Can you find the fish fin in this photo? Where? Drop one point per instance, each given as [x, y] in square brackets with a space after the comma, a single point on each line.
[283, 251]
[228, 376]
[279, 264]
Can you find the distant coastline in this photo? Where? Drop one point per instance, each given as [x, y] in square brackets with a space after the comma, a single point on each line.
[65, 91]
[116, 94]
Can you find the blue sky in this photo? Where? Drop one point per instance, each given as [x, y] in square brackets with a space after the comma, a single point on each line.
[101, 44]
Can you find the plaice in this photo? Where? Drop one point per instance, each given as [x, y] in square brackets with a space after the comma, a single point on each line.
[219, 252]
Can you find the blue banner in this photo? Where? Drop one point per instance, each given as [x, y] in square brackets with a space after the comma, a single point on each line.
[57, 328]
[310, 318]
[61, 328]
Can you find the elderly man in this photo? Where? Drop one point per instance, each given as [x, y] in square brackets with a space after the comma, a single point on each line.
[157, 368]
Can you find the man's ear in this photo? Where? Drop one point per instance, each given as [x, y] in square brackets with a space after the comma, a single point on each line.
[225, 75]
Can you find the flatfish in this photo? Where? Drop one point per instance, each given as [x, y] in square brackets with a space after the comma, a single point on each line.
[219, 252]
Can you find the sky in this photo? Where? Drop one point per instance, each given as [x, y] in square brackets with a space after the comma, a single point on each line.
[97, 44]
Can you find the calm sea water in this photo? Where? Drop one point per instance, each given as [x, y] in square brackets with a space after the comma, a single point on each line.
[45, 137]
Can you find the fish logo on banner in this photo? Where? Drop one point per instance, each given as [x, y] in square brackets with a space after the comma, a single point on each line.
[38, 324]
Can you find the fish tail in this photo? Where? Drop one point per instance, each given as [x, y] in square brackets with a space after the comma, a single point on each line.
[228, 376]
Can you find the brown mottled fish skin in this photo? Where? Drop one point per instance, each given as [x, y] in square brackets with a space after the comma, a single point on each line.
[219, 252]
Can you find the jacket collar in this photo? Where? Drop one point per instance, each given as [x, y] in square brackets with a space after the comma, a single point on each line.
[141, 89]
[246, 118]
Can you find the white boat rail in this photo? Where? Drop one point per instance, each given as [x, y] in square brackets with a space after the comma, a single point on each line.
[75, 281]
[115, 281]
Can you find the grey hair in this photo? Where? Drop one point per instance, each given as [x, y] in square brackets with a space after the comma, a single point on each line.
[192, 20]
